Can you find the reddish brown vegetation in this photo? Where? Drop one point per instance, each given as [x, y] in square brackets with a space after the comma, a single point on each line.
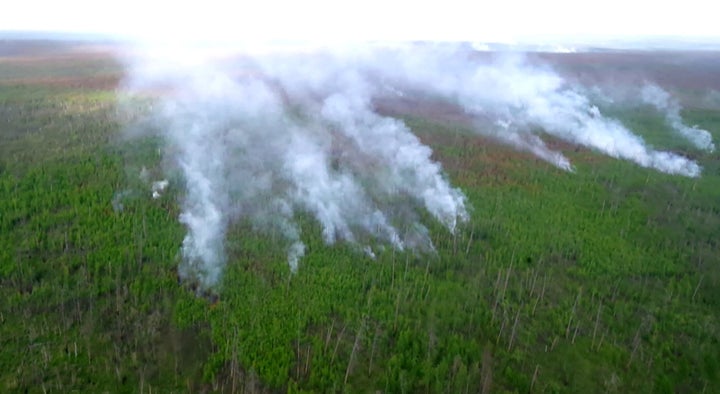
[673, 70]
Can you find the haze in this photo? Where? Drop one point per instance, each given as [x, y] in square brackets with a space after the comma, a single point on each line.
[330, 21]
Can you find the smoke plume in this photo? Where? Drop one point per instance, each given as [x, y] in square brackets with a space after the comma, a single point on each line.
[265, 138]
[523, 99]
[663, 102]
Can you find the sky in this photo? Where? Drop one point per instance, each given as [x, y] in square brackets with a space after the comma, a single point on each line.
[326, 20]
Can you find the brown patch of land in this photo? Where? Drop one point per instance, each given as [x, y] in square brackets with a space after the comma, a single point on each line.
[436, 110]
[98, 82]
[672, 70]
[58, 64]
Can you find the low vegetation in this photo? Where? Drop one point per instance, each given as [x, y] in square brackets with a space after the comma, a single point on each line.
[602, 280]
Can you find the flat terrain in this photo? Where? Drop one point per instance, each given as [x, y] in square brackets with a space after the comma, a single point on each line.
[602, 280]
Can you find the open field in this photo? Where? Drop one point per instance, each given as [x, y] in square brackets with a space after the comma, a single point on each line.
[606, 279]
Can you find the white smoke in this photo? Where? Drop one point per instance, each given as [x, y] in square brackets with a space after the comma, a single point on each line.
[507, 88]
[531, 143]
[663, 102]
[255, 147]
[269, 137]
[158, 187]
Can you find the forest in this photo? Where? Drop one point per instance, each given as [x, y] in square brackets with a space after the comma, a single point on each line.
[603, 279]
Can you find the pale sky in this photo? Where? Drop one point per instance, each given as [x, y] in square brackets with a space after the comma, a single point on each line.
[324, 20]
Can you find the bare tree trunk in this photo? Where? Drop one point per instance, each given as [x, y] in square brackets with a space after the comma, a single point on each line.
[355, 349]
[486, 371]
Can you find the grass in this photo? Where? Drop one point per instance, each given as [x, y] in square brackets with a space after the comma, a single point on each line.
[602, 280]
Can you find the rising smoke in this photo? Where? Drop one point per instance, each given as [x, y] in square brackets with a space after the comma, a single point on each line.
[268, 137]
[663, 102]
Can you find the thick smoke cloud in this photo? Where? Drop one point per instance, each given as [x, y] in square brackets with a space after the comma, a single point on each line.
[524, 99]
[253, 146]
[269, 137]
